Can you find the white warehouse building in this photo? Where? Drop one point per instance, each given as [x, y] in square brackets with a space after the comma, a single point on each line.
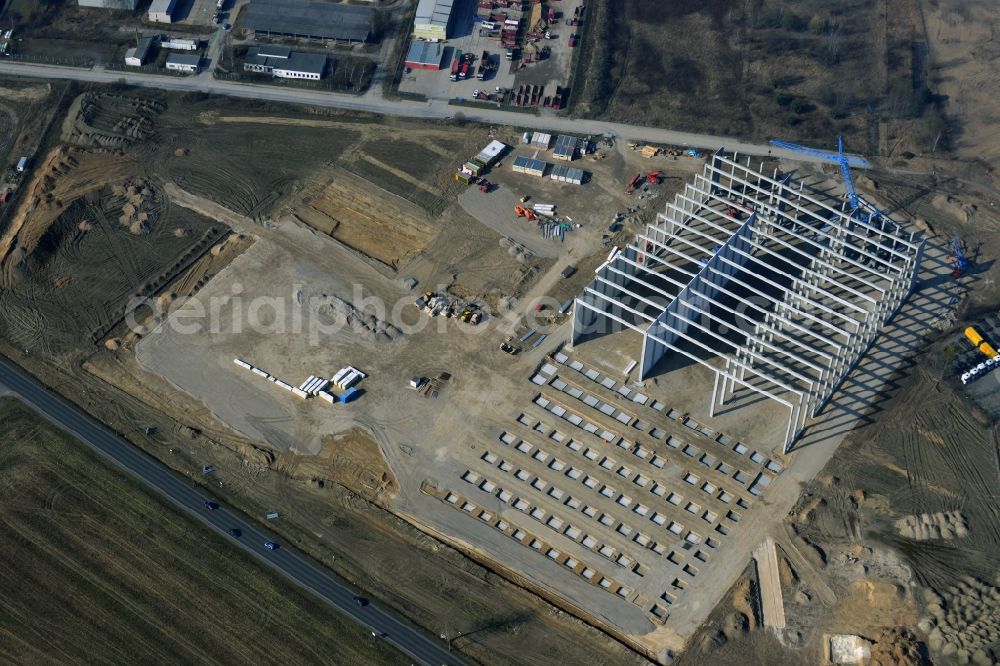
[283, 63]
[433, 19]
[162, 11]
[183, 62]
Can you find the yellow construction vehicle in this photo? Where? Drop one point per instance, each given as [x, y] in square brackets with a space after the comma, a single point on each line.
[977, 340]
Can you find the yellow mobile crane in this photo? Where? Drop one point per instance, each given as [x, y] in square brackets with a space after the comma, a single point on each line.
[976, 339]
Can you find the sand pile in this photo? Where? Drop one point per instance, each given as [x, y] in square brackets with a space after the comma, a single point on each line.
[335, 311]
[946, 525]
[896, 646]
[138, 200]
[963, 621]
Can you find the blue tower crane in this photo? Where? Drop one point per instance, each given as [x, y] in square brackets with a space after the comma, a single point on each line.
[844, 161]
[958, 256]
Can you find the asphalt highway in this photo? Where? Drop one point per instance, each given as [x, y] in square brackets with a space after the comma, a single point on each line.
[178, 490]
[373, 102]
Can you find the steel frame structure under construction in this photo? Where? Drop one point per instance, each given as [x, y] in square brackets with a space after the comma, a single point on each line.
[789, 290]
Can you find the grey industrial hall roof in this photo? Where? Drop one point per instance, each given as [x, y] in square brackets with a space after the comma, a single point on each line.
[313, 63]
[435, 12]
[184, 59]
[292, 61]
[427, 53]
[272, 51]
[142, 48]
[310, 19]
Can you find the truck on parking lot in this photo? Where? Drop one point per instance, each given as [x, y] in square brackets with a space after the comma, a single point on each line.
[456, 64]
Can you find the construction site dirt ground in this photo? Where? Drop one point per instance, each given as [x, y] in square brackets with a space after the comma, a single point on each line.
[168, 227]
[432, 444]
[194, 200]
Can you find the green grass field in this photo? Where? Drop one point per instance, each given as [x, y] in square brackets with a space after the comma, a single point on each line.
[99, 570]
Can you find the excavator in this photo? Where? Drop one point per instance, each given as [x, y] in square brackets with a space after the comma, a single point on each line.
[527, 213]
[654, 177]
[634, 183]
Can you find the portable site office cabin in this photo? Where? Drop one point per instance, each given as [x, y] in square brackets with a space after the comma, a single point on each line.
[541, 140]
[529, 165]
[567, 174]
[565, 148]
[491, 152]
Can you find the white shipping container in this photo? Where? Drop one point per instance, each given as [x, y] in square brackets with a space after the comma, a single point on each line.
[321, 386]
[272, 378]
[242, 363]
[340, 375]
[329, 397]
[258, 371]
[309, 385]
[300, 393]
[304, 384]
[350, 380]
[287, 387]
[351, 367]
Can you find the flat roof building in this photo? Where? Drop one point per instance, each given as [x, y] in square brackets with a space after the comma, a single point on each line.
[491, 152]
[162, 11]
[284, 63]
[424, 55]
[183, 62]
[137, 56]
[180, 44]
[433, 20]
[310, 20]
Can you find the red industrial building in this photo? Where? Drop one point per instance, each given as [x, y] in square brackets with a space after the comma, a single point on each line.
[424, 55]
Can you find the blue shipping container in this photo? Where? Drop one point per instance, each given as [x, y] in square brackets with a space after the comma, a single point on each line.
[348, 395]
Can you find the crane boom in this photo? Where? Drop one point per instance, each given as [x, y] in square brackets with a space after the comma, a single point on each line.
[826, 155]
[844, 161]
[845, 173]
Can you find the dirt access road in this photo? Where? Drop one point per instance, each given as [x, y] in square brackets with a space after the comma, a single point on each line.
[376, 104]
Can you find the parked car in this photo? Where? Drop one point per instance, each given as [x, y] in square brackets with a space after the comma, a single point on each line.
[211, 506]
[361, 601]
[270, 545]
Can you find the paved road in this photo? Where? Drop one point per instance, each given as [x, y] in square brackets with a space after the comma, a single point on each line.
[375, 103]
[181, 492]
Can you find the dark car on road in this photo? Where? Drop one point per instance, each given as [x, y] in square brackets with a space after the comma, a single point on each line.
[211, 506]
[235, 533]
[270, 545]
[361, 601]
